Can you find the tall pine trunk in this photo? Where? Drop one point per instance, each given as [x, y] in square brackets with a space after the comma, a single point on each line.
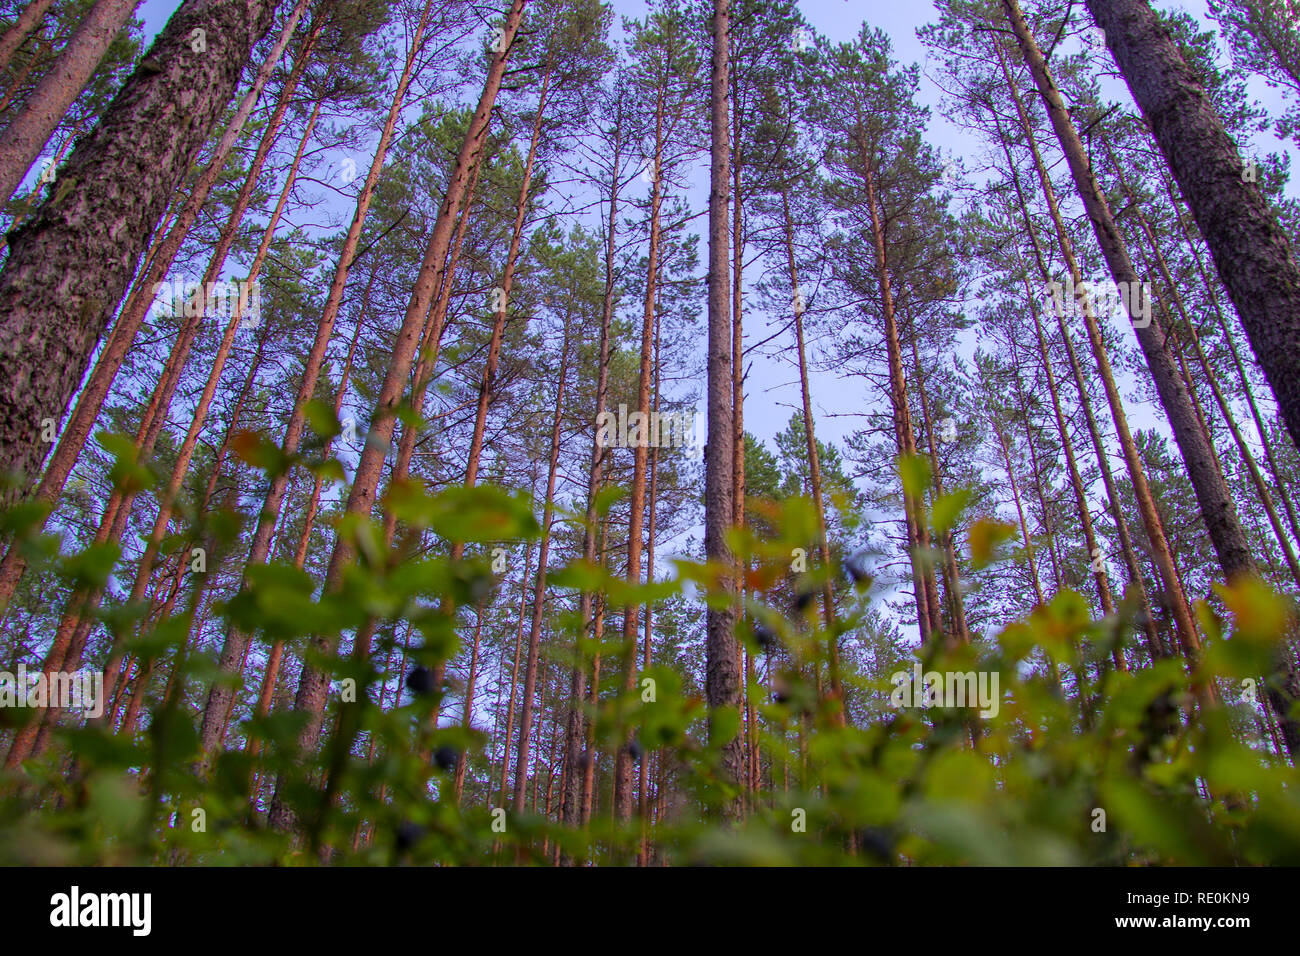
[314, 683]
[236, 642]
[24, 138]
[1255, 260]
[71, 262]
[722, 674]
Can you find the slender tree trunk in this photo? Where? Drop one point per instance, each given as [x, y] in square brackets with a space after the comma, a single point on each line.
[274, 658]
[810, 439]
[514, 674]
[647, 434]
[169, 497]
[952, 578]
[1022, 406]
[1020, 512]
[25, 136]
[23, 71]
[1135, 579]
[722, 677]
[1230, 340]
[643, 856]
[539, 586]
[314, 683]
[1076, 481]
[1257, 479]
[738, 389]
[235, 641]
[435, 326]
[236, 415]
[500, 310]
[1173, 588]
[467, 711]
[927, 603]
[572, 813]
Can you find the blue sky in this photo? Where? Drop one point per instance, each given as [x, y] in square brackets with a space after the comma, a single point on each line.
[772, 388]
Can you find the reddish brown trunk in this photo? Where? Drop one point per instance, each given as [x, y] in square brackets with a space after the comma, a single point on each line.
[28, 20]
[235, 642]
[636, 501]
[25, 136]
[314, 683]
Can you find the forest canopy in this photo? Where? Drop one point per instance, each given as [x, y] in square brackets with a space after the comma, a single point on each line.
[575, 433]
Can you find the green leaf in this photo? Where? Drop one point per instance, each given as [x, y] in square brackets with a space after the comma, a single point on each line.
[915, 471]
[948, 508]
[320, 415]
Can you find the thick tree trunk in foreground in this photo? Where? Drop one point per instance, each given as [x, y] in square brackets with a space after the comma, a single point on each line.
[163, 252]
[1250, 250]
[70, 264]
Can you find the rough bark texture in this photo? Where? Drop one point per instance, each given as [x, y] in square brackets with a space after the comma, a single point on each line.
[1250, 250]
[71, 262]
[722, 678]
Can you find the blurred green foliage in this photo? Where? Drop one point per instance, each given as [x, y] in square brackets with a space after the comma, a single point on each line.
[1127, 769]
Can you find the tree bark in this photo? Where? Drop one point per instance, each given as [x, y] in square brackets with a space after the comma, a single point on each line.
[76, 430]
[722, 674]
[24, 138]
[1250, 250]
[314, 683]
[71, 262]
